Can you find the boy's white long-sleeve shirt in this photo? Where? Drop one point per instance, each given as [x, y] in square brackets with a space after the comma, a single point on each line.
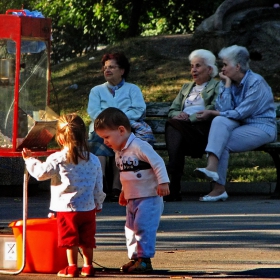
[74, 187]
[141, 169]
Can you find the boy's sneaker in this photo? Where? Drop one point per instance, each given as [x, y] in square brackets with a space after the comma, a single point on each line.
[69, 272]
[142, 265]
[88, 271]
[126, 266]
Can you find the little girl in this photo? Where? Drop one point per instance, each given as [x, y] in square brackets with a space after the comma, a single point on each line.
[76, 191]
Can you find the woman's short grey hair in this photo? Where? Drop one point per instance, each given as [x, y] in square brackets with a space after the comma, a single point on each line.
[208, 57]
[236, 55]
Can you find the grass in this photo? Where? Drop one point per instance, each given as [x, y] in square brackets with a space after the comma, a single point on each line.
[243, 167]
[160, 72]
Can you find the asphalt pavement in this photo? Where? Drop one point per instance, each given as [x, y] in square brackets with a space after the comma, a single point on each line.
[235, 239]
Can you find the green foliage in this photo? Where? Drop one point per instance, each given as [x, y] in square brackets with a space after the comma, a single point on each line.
[184, 16]
[80, 25]
[16, 5]
[243, 167]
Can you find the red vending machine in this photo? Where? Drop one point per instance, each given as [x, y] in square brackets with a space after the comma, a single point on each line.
[25, 119]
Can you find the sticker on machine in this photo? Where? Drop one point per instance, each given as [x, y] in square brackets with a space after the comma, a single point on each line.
[10, 251]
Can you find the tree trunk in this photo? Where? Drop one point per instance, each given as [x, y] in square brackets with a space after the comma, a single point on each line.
[136, 9]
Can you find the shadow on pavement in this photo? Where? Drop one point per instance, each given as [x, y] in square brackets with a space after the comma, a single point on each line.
[259, 272]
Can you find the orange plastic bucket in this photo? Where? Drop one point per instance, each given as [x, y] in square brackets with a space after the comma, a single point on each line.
[42, 253]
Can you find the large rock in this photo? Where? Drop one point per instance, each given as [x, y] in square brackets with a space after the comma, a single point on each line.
[253, 24]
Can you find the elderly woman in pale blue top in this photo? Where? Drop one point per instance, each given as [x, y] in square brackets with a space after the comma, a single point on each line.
[245, 118]
[118, 93]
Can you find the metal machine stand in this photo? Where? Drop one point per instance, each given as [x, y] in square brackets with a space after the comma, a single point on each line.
[24, 218]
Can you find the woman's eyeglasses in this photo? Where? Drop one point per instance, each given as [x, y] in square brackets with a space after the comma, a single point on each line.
[110, 67]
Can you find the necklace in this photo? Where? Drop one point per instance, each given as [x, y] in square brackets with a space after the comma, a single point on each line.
[195, 93]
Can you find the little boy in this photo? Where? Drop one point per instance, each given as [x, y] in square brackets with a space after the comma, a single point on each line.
[144, 182]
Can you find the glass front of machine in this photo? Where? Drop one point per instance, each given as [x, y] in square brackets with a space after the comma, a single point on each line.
[7, 87]
[32, 90]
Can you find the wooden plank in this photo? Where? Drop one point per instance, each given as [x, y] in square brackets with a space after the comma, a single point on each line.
[160, 109]
[269, 146]
[160, 146]
[157, 125]
[157, 109]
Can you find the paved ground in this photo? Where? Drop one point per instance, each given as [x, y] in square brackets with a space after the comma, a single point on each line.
[236, 239]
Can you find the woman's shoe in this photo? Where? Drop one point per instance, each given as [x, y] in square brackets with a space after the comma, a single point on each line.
[208, 198]
[203, 173]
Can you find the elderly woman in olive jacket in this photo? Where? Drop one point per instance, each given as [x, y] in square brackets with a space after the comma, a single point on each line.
[185, 134]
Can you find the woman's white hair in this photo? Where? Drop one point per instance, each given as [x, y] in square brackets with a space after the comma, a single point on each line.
[208, 57]
[236, 55]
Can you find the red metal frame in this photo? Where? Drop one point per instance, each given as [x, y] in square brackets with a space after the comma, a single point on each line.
[20, 28]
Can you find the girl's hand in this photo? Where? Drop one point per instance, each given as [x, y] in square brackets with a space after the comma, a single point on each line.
[163, 189]
[122, 200]
[26, 153]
